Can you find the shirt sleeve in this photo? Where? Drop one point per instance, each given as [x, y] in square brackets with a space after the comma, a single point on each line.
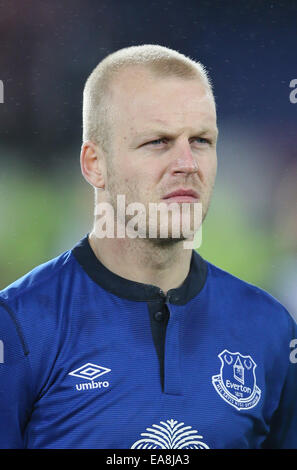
[15, 381]
[283, 430]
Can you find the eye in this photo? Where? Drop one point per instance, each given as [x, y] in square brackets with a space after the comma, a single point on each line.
[156, 142]
[202, 140]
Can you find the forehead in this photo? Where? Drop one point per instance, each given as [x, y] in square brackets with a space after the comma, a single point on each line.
[139, 100]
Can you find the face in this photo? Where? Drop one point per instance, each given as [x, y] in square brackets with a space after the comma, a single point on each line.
[163, 140]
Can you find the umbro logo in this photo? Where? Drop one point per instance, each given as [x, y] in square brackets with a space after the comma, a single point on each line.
[91, 372]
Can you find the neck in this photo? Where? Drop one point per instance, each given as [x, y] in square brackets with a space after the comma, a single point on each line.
[165, 265]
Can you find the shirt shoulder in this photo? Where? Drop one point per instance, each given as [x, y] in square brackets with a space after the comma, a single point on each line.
[34, 307]
[35, 301]
[248, 297]
[41, 277]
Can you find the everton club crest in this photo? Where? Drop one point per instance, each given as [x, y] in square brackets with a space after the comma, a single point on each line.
[236, 383]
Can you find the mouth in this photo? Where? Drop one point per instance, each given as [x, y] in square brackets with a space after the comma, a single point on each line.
[182, 195]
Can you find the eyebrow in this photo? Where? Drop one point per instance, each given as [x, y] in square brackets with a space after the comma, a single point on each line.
[164, 133]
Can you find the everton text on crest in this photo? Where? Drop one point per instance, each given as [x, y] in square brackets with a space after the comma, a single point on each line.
[236, 382]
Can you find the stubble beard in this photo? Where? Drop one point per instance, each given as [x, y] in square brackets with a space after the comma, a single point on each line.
[116, 187]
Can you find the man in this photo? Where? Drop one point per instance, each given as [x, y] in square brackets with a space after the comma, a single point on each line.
[137, 342]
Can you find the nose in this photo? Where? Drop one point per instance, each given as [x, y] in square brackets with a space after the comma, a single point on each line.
[184, 161]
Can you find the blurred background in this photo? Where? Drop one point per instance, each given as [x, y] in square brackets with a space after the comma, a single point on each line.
[48, 49]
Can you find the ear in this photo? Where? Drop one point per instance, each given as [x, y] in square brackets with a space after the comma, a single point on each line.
[92, 164]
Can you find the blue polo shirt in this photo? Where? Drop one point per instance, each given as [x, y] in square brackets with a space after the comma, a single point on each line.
[93, 360]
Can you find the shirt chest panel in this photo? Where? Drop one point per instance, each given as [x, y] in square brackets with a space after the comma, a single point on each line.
[116, 385]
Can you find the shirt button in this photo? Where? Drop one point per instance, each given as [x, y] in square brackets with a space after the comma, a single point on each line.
[159, 316]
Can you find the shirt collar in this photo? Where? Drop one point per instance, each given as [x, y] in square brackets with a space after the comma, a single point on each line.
[137, 291]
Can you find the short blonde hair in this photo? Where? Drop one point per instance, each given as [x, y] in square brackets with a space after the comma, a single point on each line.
[160, 61]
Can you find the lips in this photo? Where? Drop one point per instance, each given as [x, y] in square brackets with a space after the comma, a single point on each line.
[182, 195]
